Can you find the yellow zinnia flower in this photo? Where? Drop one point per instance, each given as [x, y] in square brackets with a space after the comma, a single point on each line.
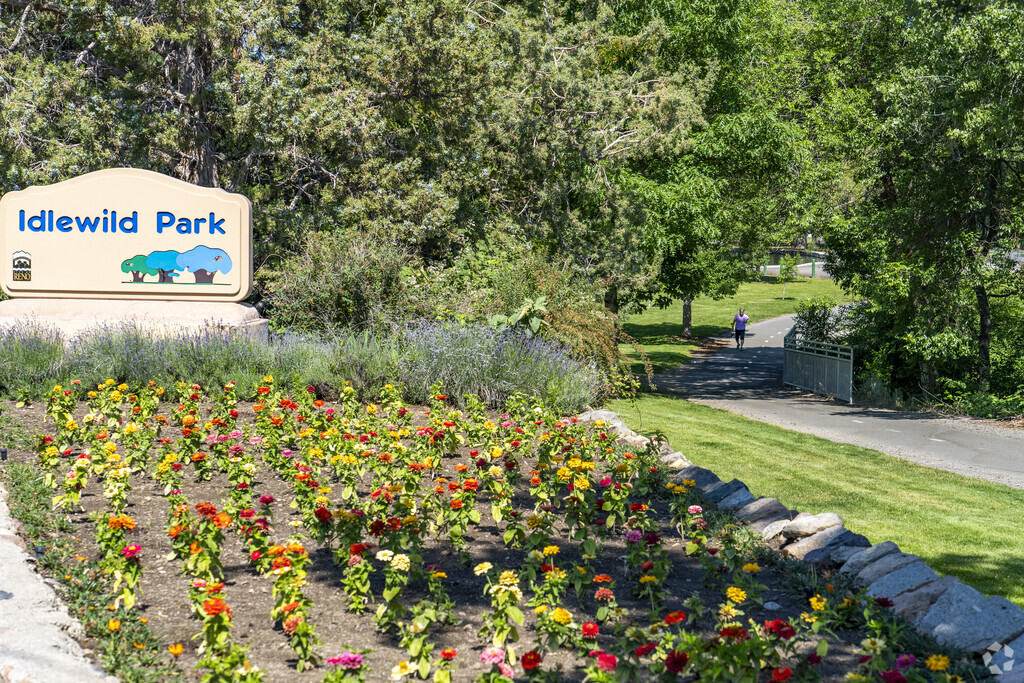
[937, 663]
[562, 616]
[737, 595]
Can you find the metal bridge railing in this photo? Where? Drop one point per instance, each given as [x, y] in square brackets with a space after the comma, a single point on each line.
[822, 367]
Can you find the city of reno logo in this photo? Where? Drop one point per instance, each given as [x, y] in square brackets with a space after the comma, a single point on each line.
[21, 262]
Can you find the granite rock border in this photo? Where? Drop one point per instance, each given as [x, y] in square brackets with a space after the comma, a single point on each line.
[943, 607]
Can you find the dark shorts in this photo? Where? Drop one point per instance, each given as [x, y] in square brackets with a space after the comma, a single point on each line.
[740, 334]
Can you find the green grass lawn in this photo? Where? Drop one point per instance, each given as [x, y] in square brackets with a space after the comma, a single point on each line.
[659, 329]
[960, 526]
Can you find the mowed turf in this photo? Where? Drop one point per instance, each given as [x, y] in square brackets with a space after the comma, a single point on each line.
[960, 526]
[659, 330]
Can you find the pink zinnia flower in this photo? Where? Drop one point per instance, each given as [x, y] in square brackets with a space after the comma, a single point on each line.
[506, 670]
[130, 551]
[350, 660]
[492, 655]
[266, 499]
[694, 510]
[634, 536]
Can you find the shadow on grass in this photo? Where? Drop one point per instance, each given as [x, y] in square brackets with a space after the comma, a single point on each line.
[979, 570]
[667, 333]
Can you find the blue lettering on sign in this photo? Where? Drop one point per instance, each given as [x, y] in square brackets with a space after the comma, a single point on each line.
[164, 219]
[46, 221]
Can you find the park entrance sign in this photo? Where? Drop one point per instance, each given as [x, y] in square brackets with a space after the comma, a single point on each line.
[126, 234]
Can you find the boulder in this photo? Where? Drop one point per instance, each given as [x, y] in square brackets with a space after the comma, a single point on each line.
[737, 500]
[810, 525]
[595, 415]
[822, 555]
[908, 578]
[862, 559]
[800, 549]
[760, 525]
[762, 507]
[723, 490]
[964, 618]
[772, 530]
[885, 565]
[840, 553]
[915, 603]
[702, 478]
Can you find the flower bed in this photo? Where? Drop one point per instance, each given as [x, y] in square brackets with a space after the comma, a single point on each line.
[291, 539]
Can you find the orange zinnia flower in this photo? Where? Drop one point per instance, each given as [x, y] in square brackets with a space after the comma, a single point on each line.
[195, 549]
[602, 578]
[121, 522]
[176, 649]
[289, 607]
[215, 606]
[222, 520]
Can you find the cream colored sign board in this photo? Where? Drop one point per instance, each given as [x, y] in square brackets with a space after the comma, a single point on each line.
[126, 234]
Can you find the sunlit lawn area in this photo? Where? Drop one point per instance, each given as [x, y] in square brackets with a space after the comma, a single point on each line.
[959, 525]
[659, 329]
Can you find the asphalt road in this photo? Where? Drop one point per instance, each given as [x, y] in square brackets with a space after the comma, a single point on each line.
[749, 382]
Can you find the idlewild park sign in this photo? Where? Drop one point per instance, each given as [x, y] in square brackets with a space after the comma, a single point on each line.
[126, 234]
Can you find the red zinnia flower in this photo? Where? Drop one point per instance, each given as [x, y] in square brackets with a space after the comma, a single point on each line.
[642, 650]
[607, 662]
[448, 653]
[676, 661]
[531, 660]
[675, 617]
[780, 628]
[590, 630]
[323, 514]
[783, 673]
[737, 632]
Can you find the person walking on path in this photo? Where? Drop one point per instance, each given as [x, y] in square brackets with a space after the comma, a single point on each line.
[739, 324]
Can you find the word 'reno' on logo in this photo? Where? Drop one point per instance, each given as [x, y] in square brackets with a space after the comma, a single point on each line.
[22, 264]
[999, 653]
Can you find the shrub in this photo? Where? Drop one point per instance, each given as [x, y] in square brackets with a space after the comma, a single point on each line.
[338, 280]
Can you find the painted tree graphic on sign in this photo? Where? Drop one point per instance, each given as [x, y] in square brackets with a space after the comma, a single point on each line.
[136, 265]
[204, 262]
[165, 263]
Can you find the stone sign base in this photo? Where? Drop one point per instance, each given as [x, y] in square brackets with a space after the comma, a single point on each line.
[72, 317]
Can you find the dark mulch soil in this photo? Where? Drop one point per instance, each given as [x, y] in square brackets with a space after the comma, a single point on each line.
[164, 597]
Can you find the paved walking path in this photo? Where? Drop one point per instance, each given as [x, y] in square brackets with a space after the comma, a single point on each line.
[749, 382]
[37, 636]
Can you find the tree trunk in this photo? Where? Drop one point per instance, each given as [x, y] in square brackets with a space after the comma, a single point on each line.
[204, 277]
[137, 276]
[984, 338]
[192, 64]
[687, 317]
[165, 277]
[611, 299]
